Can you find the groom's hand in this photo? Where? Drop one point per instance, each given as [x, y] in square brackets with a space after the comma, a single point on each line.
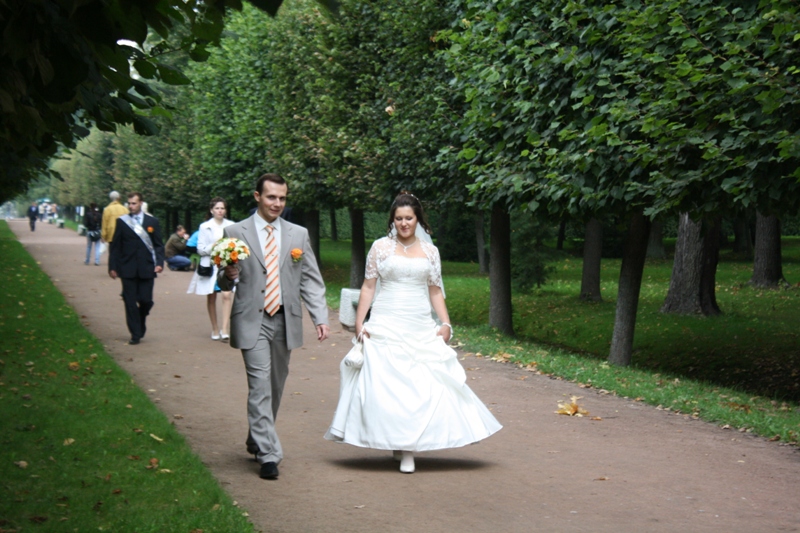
[231, 272]
[322, 332]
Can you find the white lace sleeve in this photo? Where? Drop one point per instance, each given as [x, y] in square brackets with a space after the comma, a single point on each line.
[435, 275]
[381, 249]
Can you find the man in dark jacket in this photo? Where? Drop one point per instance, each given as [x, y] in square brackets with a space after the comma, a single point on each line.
[33, 214]
[136, 255]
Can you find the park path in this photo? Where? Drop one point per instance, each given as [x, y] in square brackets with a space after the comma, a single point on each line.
[638, 469]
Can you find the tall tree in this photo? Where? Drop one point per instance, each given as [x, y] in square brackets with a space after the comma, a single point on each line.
[630, 284]
[500, 308]
[592, 256]
[630, 109]
[767, 265]
[742, 236]
[480, 243]
[692, 286]
[655, 245]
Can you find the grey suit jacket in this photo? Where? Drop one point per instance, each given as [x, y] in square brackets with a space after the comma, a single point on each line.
[300, 279]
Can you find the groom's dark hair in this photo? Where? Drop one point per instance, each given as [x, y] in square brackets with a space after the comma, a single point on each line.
[274, 178]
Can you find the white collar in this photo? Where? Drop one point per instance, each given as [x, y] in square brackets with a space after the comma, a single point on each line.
[276, 224]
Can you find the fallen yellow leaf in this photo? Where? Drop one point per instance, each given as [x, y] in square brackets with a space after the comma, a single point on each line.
[67, 442]
[572, 408]
[159, 439]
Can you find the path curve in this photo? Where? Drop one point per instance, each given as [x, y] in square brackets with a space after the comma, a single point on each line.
[637, 470]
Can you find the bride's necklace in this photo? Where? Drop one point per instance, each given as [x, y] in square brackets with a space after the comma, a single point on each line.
[405, 248]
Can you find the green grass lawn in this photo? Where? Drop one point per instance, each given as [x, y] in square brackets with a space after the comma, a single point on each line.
[81, 447]
[741, 368]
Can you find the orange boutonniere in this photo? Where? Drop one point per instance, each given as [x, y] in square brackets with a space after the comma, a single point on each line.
[297, 255]
[149, 229]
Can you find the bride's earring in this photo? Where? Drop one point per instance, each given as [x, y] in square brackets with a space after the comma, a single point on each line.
[407, 462]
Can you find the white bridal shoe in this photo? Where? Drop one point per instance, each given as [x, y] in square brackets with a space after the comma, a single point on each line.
[407, 462]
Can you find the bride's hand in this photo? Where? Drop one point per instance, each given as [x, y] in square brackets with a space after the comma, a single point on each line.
[446, 332]
[361, 333]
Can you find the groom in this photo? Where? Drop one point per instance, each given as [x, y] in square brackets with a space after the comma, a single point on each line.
[266, 319]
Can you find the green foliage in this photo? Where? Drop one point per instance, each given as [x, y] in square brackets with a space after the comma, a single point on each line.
[86, 171]
[530, 258]
[66, 65]
[590, 107]
[77, 437]
[454, 232]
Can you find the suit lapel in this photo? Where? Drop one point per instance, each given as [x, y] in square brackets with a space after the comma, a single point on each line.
[250, 231]
[286, 241]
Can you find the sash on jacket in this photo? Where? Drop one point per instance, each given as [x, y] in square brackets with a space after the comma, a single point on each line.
[140, 231]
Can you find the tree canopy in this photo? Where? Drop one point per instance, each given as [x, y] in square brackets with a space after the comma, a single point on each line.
[68, 65]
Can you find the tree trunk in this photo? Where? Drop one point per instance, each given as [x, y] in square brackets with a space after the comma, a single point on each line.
[334, 229]
[630, 283]
[592, 253]
[187, 220]
[480, 240]
[312, 225]
[655, 245]
[712, 241]
[562, 231]
[692, 284]
[767, 265]
[500, 308]
[358, 259]
[742, 240]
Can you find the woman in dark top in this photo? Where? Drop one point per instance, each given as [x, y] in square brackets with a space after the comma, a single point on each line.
[92, 221]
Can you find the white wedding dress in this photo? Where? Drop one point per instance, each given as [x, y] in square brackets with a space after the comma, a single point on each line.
[411, 393]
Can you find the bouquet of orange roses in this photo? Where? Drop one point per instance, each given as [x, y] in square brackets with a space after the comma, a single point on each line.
[229, 252]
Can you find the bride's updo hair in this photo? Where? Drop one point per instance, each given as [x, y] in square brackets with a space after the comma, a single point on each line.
[406, 199]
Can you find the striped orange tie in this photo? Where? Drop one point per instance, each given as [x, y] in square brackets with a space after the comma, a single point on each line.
[273, 291]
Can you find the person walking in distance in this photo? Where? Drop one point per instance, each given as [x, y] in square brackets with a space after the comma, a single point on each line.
[33, 214]
[111, 213]
[266, 320]
[92, 221]
[136, 255]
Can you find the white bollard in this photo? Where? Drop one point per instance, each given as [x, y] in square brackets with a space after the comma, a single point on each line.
[348, 302]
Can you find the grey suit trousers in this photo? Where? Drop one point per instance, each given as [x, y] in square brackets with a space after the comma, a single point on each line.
[267, 366]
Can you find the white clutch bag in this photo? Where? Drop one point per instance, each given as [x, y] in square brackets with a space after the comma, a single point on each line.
[355, 357]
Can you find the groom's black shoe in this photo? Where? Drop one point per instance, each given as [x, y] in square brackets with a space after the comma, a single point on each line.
[269, 470]
[253, 450]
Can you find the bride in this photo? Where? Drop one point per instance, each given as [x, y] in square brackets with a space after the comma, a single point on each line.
[410, 395]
